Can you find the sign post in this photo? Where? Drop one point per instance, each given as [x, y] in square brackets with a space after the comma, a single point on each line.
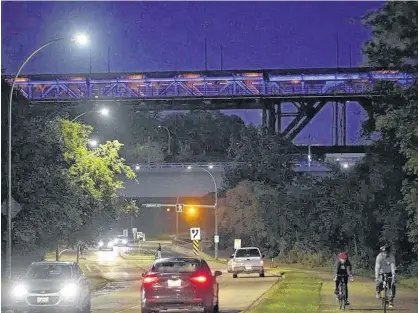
[196, 247]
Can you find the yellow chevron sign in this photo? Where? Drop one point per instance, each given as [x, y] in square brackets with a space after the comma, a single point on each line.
[196, 247]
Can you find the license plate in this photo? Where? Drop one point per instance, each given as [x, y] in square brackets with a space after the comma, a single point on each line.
[248, 268]
[42, 300]
[174, 283]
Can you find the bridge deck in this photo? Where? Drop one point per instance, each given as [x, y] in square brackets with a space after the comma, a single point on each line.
[213, 86]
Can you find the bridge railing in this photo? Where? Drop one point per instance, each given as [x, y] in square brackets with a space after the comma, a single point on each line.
[217, 165]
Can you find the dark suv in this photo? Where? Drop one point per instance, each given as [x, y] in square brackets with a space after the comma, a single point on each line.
[181, 284]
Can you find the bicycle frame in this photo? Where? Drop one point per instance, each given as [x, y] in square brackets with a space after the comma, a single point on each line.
[342, 297]
[385, 292]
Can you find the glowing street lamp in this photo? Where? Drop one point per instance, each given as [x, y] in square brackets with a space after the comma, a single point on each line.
[214, 205]
[79, 39]
[93, 143]
[192, 211]
[102, 112]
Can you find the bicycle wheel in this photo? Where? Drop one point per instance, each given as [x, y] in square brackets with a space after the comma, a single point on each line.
[385, 298]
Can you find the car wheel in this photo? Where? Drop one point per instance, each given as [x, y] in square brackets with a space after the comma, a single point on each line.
[262, 274]
[216, 308]
[145, 310]
[235, 275]
[87, 307]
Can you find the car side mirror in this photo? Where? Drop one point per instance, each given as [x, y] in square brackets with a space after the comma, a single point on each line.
[217, 273]
[263, 255]
[232, 256]
[143, 274]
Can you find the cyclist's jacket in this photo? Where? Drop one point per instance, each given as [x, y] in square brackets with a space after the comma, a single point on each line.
[342, 268]
[384, 265]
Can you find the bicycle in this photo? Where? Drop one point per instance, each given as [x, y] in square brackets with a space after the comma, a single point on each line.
[385, 289]
[342, 295]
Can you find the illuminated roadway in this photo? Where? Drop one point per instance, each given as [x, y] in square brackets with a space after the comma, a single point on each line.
[235, 294]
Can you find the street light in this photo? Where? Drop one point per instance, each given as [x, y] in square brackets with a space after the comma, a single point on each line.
[93, 143]
[214, 205]
[169, 137]
[102, 112]
[80, 39]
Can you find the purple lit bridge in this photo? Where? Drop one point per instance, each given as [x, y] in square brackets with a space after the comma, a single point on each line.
[307, 90]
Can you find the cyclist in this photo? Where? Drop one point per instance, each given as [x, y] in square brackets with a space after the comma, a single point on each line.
[342, 271]
[385, 264]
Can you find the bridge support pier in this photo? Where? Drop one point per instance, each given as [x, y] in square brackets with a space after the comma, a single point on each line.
[339, 132]
[272, 117]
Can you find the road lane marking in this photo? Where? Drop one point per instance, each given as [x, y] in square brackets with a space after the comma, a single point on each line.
[127, 309]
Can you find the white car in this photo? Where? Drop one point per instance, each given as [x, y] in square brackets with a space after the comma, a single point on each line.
[246, 260]
[48, 285]
[121, 241]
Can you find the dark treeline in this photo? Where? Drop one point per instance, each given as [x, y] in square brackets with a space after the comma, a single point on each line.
[306, 219]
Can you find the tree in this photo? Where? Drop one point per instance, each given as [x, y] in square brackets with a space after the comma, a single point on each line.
[260, 157]
[394, 45]
[201, 135]
[63, 187]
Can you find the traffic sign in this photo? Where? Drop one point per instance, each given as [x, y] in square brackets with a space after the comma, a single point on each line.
[125, 233]
[237, 244]
[179, 207]
[195, 233]
[216, 239]
[152, 205]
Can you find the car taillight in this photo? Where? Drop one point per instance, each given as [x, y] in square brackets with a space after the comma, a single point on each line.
[149, 280]
[201, 279]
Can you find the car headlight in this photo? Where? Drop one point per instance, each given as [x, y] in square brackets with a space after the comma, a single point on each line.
[101, 244]
[69, 290]
[110, 245]
[19, 291]
[124, 241]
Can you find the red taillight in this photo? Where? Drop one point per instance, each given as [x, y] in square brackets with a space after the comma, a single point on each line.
[149, 280]
[199, 279]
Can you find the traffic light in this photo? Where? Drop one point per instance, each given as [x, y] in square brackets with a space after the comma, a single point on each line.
[191, 210]
[179, 207]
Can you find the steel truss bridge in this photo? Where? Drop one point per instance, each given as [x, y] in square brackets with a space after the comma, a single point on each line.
[307, 89]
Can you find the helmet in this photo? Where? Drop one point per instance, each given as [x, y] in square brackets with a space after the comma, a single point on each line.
[343, 256]
[385, 248]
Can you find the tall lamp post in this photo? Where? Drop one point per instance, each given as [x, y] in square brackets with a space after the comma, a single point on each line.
[214, 205]
[104, 112]
[80, 39]
[169, 137]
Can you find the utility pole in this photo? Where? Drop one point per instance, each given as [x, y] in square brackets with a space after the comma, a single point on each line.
[338, 50]
[108, 59]
[90, 61]
[206, 55]
[222, 58]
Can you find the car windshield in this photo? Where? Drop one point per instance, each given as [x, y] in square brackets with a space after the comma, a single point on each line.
[247, 253]
[177, 266]
[49, 271]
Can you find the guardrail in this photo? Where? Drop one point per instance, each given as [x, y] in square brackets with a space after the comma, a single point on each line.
[298, 165]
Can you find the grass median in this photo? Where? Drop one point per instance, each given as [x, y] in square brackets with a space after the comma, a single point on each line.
[296, 292]
[96, 279]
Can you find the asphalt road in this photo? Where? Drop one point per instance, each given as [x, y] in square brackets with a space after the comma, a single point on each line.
[235, 295]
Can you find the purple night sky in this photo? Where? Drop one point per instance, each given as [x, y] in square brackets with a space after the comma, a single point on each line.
[159, 36]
